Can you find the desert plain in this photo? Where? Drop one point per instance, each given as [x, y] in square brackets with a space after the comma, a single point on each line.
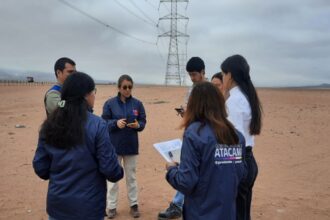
[292, 152]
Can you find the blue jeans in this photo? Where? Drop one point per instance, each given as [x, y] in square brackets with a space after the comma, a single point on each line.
[178, 199]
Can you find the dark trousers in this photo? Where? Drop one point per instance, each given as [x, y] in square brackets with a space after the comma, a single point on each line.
[244, 196]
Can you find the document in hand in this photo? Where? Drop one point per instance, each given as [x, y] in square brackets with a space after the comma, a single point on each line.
[170, 150]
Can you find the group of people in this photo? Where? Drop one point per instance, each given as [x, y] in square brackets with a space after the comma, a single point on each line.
[215, 177]
[78, 151]
[82, 154]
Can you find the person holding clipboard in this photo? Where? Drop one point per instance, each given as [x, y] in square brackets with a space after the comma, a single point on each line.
[211, 164]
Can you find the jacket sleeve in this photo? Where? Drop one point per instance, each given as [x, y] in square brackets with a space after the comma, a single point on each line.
[52, 99]
[142, 117]
[107, 116]
[185, 177]
[41, 161]
[106, 156]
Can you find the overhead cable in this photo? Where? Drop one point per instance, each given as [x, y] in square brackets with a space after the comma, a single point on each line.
[142, 12]
[103, 23]
[151, 5]
[130, 11]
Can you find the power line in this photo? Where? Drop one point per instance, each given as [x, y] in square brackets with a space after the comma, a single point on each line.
[103, 23]
[130, 11]
[142, 12]
[159, 52]
[151, 5]
[169, 10]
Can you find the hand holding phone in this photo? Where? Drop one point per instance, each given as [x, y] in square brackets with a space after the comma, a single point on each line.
[134, 124]
[179, 111]
[121, 123]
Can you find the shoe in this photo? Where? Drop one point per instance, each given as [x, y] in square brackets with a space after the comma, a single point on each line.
[135, 211]
[112, 213]
[172, 212]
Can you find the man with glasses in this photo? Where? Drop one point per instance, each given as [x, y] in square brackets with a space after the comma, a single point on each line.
[63, 68]
[196, 70]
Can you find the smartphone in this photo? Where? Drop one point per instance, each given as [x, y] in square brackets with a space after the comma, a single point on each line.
[130, 119]
[179, 111]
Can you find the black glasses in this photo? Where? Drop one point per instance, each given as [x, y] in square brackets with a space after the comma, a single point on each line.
[127, 87]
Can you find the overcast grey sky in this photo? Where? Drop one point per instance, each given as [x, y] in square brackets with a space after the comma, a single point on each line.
[286, 42]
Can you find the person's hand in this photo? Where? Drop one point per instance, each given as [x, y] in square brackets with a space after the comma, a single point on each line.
[171, 164]
[135, 124]
[182, 113]
[121, 123]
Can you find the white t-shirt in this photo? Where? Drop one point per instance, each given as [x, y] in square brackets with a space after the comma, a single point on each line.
[239, 113]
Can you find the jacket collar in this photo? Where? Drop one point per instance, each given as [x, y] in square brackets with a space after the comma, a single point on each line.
[59, 84]
[127, 99]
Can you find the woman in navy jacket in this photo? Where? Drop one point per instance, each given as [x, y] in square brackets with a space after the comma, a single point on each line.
[211, 165]
[75, 154]
[126, 117]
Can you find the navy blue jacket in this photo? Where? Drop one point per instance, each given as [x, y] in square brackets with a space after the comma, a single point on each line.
[77, 176]
[208, 175]
[125, 140]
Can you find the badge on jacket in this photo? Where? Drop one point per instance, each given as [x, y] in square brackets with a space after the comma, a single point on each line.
[228, 154]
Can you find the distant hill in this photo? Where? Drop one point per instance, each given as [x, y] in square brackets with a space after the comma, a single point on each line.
[321, 86]
[326, 85]
[8, 74]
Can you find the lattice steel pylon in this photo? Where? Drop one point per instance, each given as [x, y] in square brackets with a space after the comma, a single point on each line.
[174, 71]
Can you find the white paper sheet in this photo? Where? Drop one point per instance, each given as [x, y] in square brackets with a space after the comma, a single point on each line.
[170, 150]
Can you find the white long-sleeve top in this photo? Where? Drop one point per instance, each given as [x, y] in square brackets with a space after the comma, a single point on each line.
[239, 113]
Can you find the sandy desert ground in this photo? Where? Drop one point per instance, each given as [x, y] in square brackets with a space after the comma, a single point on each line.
[293, 152]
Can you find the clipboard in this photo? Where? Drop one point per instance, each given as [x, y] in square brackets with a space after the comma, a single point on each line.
[170, 150]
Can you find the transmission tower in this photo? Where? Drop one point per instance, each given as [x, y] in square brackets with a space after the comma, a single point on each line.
[175, 73]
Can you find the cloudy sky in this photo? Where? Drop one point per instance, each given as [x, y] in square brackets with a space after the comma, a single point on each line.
[286, 42]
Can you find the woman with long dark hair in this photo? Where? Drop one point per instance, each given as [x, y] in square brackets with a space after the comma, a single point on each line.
[75, 154]
[245, 112]
[211, 165]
